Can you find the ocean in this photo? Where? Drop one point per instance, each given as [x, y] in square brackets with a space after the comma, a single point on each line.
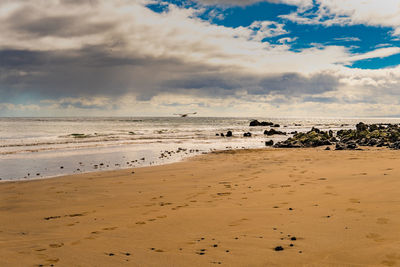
[34, 148]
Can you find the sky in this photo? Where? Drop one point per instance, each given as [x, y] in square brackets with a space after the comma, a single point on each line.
[265, 58]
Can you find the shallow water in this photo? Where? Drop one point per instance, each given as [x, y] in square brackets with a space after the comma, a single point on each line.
[33, 148]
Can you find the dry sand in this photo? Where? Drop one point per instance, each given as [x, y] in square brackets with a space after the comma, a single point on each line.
[229, 208]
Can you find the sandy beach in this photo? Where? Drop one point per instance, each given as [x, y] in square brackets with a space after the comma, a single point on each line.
[232, 208]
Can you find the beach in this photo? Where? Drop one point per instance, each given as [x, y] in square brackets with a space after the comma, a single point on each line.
[253, 207]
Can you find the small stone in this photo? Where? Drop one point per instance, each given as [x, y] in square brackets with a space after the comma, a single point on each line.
[278, 248]
[293, 238]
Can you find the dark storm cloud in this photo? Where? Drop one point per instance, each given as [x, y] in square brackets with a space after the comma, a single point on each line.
[296, 84]
[28, 21]
[116, 65]
[290, 84]
[98, 71]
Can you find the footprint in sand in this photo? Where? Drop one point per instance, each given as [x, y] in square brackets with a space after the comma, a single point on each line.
[382, 221]
[110, 228]
[354, 210]
[391, 259]
[224, 194]
[238, 222]
[56, 245]
[375, 237]
[157, 250]
[53, 260]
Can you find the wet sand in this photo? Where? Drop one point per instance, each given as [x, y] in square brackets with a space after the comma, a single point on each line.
[233, 208]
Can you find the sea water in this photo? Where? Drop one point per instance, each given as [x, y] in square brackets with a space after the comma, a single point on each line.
[32, 148]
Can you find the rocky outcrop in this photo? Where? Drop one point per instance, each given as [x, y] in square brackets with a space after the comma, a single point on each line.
[273, 132]
[380, 135]
[263, 123]
[313, 138]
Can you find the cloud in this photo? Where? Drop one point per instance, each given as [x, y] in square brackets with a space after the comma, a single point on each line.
[356, 12]
[119, 57]
[299, 3]
[265, 29]
[378, 53]
[347, 39]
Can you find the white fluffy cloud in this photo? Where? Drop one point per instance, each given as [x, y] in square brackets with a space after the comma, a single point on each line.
[345, 12]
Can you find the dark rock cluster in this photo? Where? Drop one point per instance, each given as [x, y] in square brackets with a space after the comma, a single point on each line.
[313, 138]
[380, 135]
[273, 131]
[262, 123]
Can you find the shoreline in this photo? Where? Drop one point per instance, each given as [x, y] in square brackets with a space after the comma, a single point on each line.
[182, 159]
[232, 208]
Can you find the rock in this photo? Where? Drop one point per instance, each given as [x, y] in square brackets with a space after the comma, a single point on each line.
[373, 127]
[248, 134]
[269, 143]
[361, 127]
[217, 134]
[313, 129]
[229, 134]
[278, 248]
[222, 134]
[340, 146]
[257, 123]
[273, 131]
[294, 132]
[395, 145]
[289, 144]
[276, 125]
[327, 148]
[333, 139]
[351, 145]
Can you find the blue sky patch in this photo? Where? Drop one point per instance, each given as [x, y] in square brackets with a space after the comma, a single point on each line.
[357, 39]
